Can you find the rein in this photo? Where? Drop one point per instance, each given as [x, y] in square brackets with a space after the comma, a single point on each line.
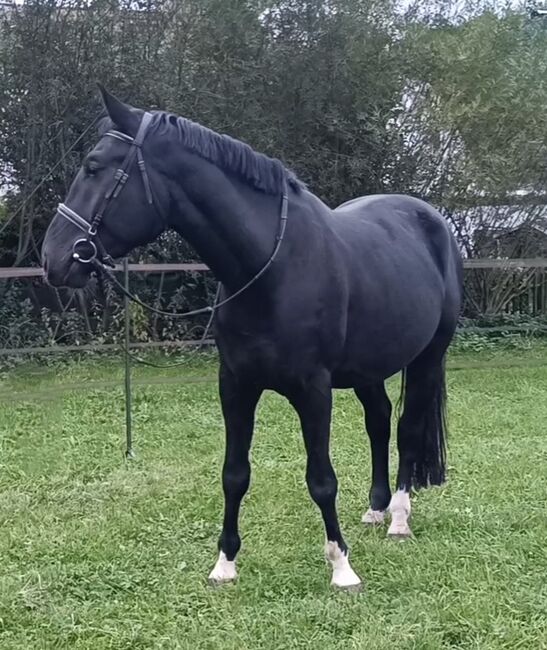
[90, 250]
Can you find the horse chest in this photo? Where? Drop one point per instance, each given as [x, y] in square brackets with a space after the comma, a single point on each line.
[270, 355]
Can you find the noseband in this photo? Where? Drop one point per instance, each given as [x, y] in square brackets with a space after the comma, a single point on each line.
[89, 249]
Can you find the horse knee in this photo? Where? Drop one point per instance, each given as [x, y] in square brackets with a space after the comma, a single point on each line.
[322, 489]
[235, 480]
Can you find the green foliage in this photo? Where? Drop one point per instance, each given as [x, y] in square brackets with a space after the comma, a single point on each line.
[323, 85]
[19, 326]
[356, 95]
[515, 332]
[476, 341]
[484, 80]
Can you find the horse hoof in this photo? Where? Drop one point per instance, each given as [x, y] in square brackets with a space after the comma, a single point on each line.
[398, 537]
[400, 532]
[223, 572]
[356, 588]
[220, 582]
[373, 517]
[345, 579]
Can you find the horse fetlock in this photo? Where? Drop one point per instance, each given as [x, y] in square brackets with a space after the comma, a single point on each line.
[373, 517]
[400, 509]
[224, 570]
[343, 576]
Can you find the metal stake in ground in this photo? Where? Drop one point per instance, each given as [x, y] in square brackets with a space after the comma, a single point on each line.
[129, 453]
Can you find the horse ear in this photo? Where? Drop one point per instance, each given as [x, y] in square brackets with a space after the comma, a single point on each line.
[125, 117]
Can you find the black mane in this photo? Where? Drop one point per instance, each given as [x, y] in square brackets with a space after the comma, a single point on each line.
[263, 173]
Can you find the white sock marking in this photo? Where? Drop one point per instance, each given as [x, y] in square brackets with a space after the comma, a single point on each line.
[224, 570]
[342, 574]
[373, 517]
[400, 512]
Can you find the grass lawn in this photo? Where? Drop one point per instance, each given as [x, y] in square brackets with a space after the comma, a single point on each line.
[99, 553]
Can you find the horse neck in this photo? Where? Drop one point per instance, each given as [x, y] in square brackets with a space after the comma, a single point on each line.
[231, 226]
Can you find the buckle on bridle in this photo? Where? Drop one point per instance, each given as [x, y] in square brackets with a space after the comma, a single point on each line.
[92, 250]
[85, 250]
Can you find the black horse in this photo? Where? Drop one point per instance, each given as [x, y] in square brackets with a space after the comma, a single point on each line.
[353, 296]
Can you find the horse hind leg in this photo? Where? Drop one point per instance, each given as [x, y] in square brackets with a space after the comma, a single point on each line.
[421, 434]
[377, 409]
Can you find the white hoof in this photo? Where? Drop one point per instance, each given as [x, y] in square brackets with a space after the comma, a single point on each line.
[346, 580]
[399, 509]
[399, 530]
[343, 576]
[224, 571]
[373, 517]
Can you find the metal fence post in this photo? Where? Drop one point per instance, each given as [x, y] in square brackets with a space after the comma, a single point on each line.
[129, 453]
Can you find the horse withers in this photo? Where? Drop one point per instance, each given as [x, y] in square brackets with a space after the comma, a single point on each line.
[340, 298]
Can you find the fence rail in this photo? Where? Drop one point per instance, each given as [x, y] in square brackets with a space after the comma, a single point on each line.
[511, 265]
[8, 272]
[478, 263]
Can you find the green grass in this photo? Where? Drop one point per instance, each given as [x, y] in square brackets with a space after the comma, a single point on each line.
[96, 553]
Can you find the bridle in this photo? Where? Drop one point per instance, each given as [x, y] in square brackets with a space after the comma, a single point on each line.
[96, 253]
[91, 243]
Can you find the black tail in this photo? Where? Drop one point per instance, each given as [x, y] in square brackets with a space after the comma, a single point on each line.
[428, 426]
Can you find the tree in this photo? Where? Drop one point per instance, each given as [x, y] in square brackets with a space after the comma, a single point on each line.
[442, 100]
